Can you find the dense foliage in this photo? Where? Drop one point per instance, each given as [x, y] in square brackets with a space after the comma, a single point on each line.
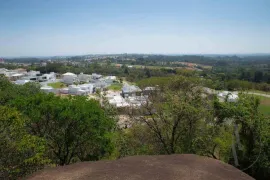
[20, 152]
[251, 142]
[38, 128]
[182, 118]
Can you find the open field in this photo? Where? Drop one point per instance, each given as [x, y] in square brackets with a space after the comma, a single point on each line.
[151, 67]
[264, 106]
[115, 87]
[57, 85]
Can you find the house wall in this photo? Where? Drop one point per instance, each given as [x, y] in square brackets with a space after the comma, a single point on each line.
[67, 79]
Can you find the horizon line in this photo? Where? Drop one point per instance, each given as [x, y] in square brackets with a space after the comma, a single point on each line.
[164, 54]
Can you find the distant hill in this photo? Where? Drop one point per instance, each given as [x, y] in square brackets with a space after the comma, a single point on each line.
[164, 167]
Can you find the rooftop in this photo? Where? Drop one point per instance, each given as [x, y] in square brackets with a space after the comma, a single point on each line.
[69, 74]
[130, 88]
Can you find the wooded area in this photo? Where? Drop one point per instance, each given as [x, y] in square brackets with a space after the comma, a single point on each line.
[39, 130]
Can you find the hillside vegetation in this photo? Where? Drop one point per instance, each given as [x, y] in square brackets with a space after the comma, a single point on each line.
[39, 130]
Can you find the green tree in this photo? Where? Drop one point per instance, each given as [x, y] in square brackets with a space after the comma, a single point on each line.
[147, 73]
[20, 152]
[258, 76]
[175, 114]
[250, 132]
[73, 127]
[121, 80]
[9, 91]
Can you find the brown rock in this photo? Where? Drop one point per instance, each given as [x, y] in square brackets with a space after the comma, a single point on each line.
[164, 167]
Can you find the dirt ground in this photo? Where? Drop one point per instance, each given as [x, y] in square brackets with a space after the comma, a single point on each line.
[164, 167]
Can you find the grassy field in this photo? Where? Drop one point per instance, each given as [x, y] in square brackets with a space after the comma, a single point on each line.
[264, 107]
[115, 87]
[57, 85]
[151, 67]
[158, 67]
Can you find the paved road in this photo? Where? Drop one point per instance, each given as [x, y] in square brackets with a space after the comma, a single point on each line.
[259, 94]
[212, 91]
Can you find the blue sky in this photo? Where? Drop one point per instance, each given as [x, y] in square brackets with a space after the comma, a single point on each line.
[73, 27]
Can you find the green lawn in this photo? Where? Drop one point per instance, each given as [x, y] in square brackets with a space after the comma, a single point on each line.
[264, 106]
[115, 87]
[264, 109]
[57, 85]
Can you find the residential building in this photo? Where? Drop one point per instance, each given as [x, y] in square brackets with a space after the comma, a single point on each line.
[227, 95]
[84, 77]
[48, 89]
[96, 76]
[130, 90]
[69, 78]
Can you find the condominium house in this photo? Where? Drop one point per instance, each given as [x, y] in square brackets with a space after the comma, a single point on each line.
[69, 78]
[84, 77]
[130, 90]
[48, 89]
[96, 76]
[228, 96]
[14, 74]
[38, 77]
[21, 82]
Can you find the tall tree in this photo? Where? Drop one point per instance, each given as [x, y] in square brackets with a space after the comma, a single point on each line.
[250, 135]
[258, 76]
[20, 152]
[174, 114]
[73, 127]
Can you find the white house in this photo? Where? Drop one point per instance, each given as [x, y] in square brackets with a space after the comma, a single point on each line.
[96, 76]
[101, 84]
[3, 71]
[83, 89]
[30, 78]
[64, 90]
[73, 89]
[69, 78]
[118, 101]
[33, 73]
[77, 90]
[84, 77]
[36, 76]
[13, 74]
[88, 88]
[21, 82]
[16, 76]
[81, 92]
[48, 89]
[231, 96]
[136, 101]
[111, 77]
[130, 90]
[47, 77]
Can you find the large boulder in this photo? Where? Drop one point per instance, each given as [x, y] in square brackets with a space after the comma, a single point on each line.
[163, 167]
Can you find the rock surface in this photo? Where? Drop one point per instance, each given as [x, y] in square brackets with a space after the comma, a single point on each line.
[163, 167]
